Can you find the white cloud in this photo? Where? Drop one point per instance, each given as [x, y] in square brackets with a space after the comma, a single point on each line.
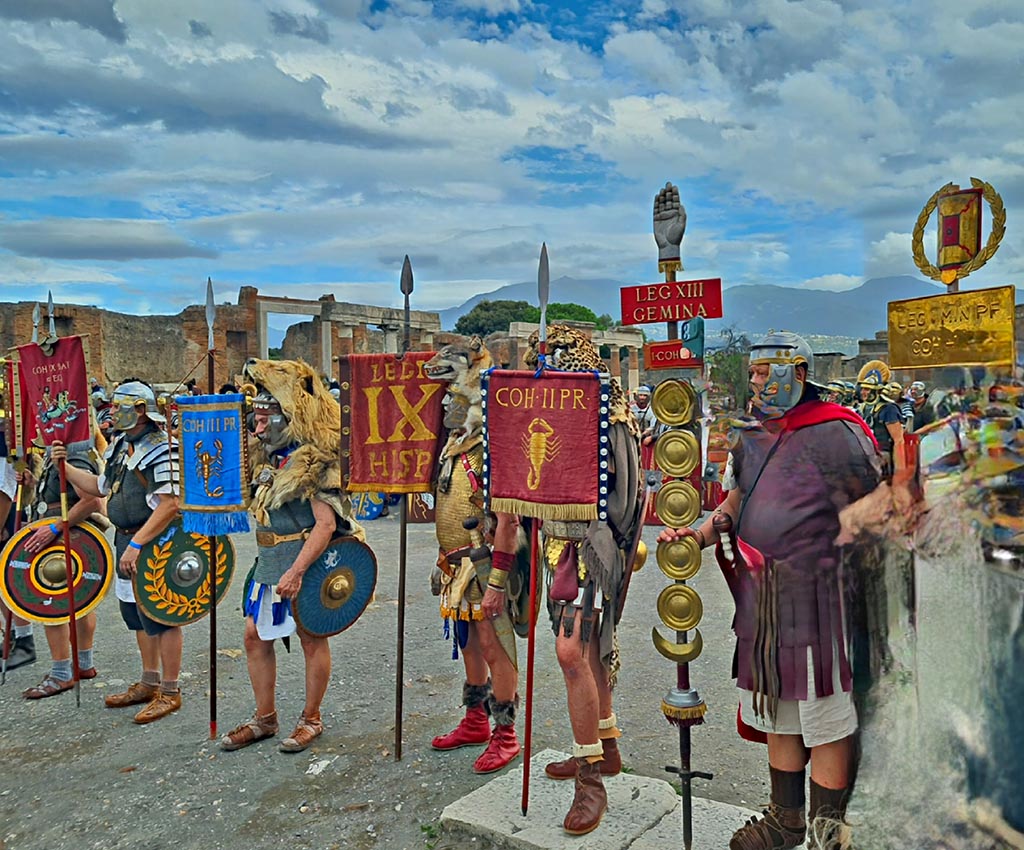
[328, 147]
[833, 282]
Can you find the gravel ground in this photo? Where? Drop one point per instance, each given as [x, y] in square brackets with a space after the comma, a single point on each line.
[90, 778]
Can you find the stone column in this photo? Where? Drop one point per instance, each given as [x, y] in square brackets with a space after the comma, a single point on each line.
[634, 368]
[262, 344]
[325, 347]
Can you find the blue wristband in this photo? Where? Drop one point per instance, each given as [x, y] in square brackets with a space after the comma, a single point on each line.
[134, 545]
[54, 530]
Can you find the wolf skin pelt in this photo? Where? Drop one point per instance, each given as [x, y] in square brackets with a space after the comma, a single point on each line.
[314, 422]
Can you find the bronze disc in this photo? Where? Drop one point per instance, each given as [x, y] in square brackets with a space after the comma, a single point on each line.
[678, 504]
[674, 402]
[679, 559]
[677, 452]
[680, 607]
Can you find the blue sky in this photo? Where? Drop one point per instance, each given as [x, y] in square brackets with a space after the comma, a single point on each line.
[306, 146]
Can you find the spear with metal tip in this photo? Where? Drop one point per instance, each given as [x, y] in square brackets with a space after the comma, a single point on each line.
[543, 290]
[406, 286]
[35, 322]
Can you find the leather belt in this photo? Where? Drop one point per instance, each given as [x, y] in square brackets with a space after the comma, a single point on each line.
[270, 538]
[128, 531]
[565, 530]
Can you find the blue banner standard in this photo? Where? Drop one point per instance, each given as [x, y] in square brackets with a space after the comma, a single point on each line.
[214, 464]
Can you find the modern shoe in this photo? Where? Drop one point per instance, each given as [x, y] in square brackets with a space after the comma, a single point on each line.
[250, 732]
[160, 705]
[590, 802]
[136, 694]
[306, 731]
[22, 652]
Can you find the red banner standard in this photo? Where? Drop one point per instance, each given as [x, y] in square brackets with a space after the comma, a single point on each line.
[671, 301]
[391, 419]
[546, 444]
[56, 391]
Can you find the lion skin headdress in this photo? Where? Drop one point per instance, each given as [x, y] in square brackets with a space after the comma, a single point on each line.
[314, 422]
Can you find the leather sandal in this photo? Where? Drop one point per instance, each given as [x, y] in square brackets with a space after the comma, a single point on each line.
[136, 694]
[250, 732]
[306, 730]
[47, 688]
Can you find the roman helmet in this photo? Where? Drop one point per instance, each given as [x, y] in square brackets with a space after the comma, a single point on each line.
[782, 352]
[891, 392]
[642, 397]
[132, 400]
[276, 435]
[872, 377]
[835, 392]
[917, 391]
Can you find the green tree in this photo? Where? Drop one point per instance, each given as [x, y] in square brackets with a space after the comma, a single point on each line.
[728, 367]
[570, 312]
[490, 316]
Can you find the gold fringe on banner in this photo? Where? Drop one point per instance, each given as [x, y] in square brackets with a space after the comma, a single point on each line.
[690, 715]
[566, 513]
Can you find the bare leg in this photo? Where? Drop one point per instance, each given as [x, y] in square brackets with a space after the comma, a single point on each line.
[604, 688]
[473, 659]
[86, 630]
[581, 688]
[504, 678]
[318, 670]
[149, 649]
[169, 646]
[262, 661]
[787, 752]
[831, 763]
[60, 645]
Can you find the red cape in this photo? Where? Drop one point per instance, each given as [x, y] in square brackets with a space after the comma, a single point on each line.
[817, 412]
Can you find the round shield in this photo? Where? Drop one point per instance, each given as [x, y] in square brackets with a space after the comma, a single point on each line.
[677, 452]
[367, 506]
[679, 559]
[674, 402]
[34, 584]
[336, 588]
[678, 504]
[680, 607]
[172, 580]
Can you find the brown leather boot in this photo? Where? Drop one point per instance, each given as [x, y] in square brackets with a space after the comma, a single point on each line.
[825, 817]
[611, 764]
[590, 802]
[781, 826]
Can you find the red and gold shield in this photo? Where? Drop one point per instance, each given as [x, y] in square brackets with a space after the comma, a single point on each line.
[959, 227]
[34, 584]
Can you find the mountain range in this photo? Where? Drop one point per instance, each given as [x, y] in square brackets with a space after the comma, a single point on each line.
[749, 308]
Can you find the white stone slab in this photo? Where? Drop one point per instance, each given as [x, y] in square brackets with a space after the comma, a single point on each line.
[635, 805]
[713, 826]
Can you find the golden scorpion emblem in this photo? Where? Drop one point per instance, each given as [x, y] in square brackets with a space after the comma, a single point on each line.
[539, 445]
[210, 466]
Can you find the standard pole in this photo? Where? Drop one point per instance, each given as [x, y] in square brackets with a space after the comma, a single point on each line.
[530, 646]
[70, 576]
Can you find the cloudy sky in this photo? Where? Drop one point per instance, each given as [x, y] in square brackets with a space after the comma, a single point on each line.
[305, 146]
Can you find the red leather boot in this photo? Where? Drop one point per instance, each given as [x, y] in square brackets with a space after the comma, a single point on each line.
[475, 727]
[504, 745]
